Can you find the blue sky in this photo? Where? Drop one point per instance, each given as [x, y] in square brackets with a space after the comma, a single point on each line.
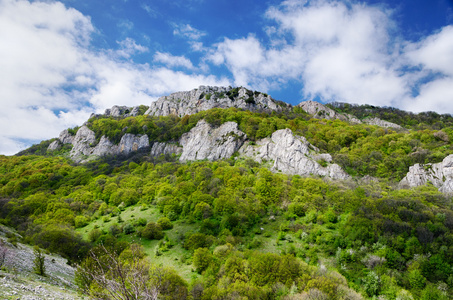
[60, 61]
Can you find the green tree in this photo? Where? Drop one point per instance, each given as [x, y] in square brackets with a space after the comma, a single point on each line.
[202, 257]
[39, 266]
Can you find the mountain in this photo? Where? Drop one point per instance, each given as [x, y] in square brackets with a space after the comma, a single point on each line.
[213, 142]
[227, 193]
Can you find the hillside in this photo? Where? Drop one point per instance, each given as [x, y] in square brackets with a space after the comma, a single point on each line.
[234, 195]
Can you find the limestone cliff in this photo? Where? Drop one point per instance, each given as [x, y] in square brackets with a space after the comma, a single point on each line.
[84, 145]
[207, 97]
[440, 175]
[319, 111]
[292, 154]
[206, 142]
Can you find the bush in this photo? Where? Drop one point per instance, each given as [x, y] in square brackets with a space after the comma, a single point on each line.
[152, 231]
[165, 223]
[81, 221]
[128, 228]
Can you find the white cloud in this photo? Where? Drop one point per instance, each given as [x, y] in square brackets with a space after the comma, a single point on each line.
[129, 47]
[434, 55]
[339, 52]
[173, 61]
[52, 79]
[434, 52]
[187, 31]
[343, 51]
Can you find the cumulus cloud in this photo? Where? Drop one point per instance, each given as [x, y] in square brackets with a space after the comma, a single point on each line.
[52, 79]
[343, 51]
[173, 61]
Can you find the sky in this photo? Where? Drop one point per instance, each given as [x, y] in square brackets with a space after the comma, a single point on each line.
[62, 60]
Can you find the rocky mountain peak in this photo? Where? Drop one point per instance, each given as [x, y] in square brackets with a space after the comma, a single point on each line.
[207, 97]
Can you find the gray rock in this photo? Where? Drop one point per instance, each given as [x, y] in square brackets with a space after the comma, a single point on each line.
[291, 155]
[82, 143]
[440, 175]
[120, 111]
[320, 111]
[55, 145]
[164, 148]
[65, 137]
[207, 97]
[205, 142]
[130, 142]
[381, 123]
[104, 147]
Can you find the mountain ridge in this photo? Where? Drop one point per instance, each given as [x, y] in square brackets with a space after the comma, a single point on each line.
[88, 145]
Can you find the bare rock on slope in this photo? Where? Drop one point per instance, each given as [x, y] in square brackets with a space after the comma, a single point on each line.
[159, 148]
[320, 111]
[207, 97]
[440, 175]
[206, 142]
[291, 154]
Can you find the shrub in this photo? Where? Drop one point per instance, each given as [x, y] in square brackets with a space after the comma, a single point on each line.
[128, 228]
[39, 262]
[201, 259]
[165, 223]
[152, 231]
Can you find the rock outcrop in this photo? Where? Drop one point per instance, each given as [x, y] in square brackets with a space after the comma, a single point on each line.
[440, 175]
[64, 138]
[164, 148]
[131, 143]
[291, 154]
[381, 123]
[319, 111]
[206, 142]
[82, 142]
[84, 145]
[207, 97]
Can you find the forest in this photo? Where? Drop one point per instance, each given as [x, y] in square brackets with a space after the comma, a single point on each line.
[232, 229]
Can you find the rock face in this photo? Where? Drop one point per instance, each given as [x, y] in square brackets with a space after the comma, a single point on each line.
[122, 111]
[164, 148]
[55, 145]
[207, 97]
[130, 142]
[291, 155]
[206, 142]
[440, 175]
[319, 111]
[381, 123]
[65, 137]
[83, 144]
